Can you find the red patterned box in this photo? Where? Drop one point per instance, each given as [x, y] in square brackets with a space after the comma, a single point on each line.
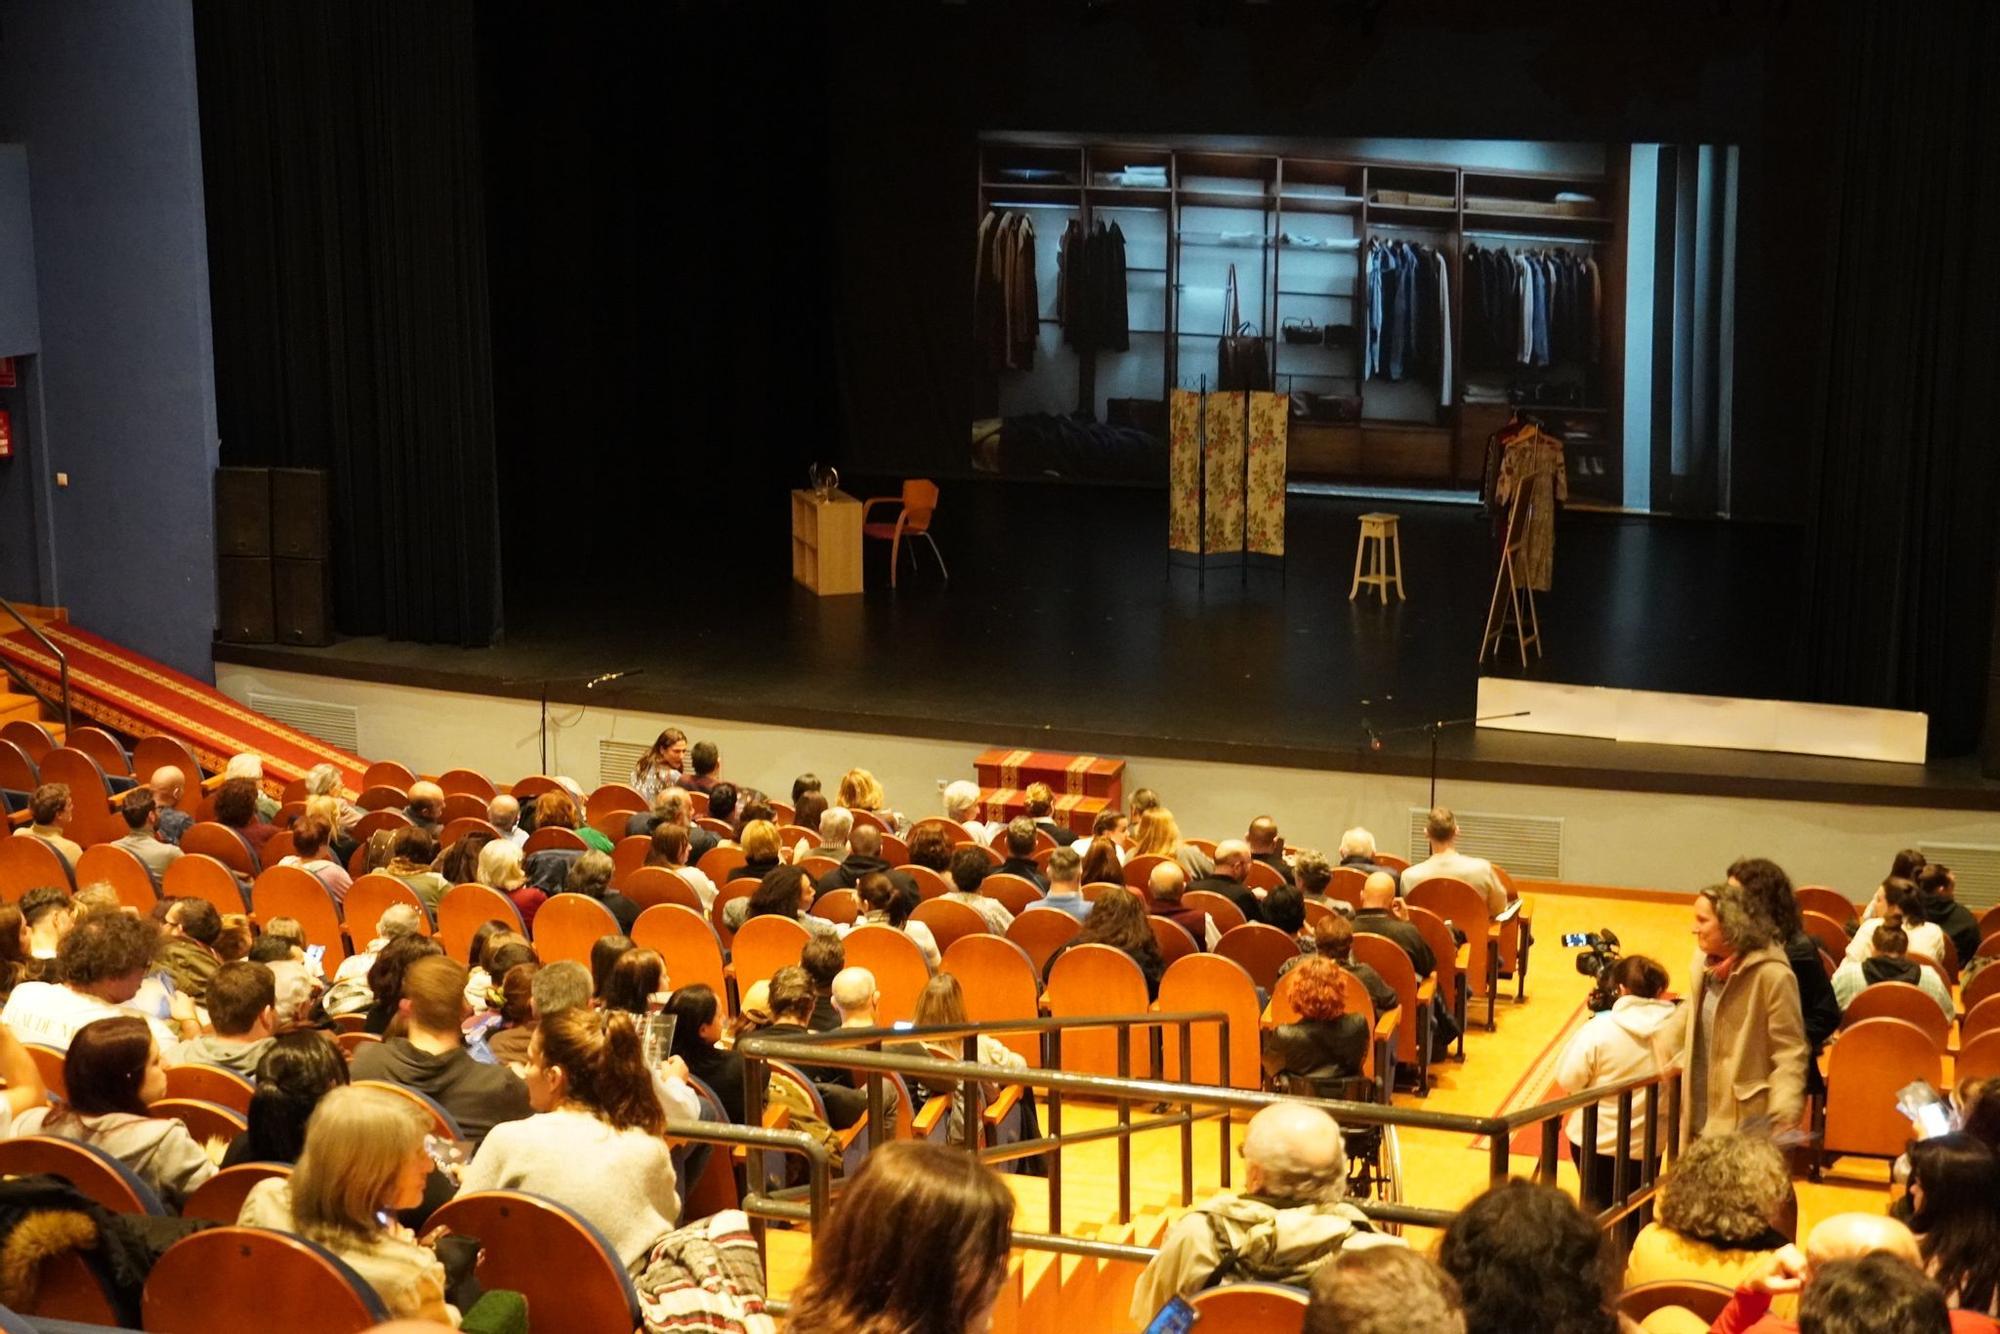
[1078, 814]
[1075, 775]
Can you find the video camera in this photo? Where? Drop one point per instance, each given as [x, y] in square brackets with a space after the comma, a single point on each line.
[1600, 952]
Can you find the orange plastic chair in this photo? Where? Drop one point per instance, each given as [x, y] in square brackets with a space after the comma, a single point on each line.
[462, 806]
[33, 738]
[1979, 1058]
[628, 854]
[721, 862]
[839, 906]
[568, 925]
[238, 1278]
[204, 1120]
[469, 782]
[388, 773]
[1829, 903]
[26, 863]
[1041, 934]
[1827, 933]
[1865, 1066]
[554, 837]
[442, 1123]
[94, 820]
[1444, 949]
[95, 1174]
[222, 843]
[1174, 940]
[1000, 983]
[949, 920]
[728, 894]
[17, 771]
[613, 797]
[1212, 982]
[372, 895]
[929, 883]
[1251, 1308]
[220, 1198]
[49, 1065]
[107, 863]
[1264, 876]
[293, 891]
[1317, 912]
[103, 747]
[212, 1084]
[650, 886]
[1012, 891]
[351, 1042]
[913, 519]
[894, 850]
[1985, 983]
[526, 789]
[384, 796]
[1465, 907]
[719, 827]
[1347, 884]
[1703, 1300]
[279, 845]
[1392, 861]
[458, 828]
[1092, 980]
[764, 945]
[466, 908]
[376, 822]
[1981, 1017]
[1413, 1033]
[1219, 906]
[687, 943]
[572, 1278]
[1139, 871]
[1899, 1000]
[954, 832]
[194, 876]
[900, 969]
[159, 752]
[1261, 949]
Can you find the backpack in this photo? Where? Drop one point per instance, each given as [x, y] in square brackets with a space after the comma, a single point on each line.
[1254, 1263]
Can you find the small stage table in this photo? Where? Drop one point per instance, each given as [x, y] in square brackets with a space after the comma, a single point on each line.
[826, 542]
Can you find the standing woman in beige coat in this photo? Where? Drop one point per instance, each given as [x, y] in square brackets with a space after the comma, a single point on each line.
[1743, 1041]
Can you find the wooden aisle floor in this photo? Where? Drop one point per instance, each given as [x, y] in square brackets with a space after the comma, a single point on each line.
[1439, 1170]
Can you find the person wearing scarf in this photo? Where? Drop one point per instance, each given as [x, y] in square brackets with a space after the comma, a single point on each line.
[1742, 1038]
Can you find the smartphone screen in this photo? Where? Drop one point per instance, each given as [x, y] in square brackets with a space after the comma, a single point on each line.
[902, 1024]
[1934, 1119]
[315, 953]
[1176, 1317]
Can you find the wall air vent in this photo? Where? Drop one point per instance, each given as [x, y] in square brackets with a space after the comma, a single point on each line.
[1528, 846]
[338, 725]
[617, 759]
[1976, 868]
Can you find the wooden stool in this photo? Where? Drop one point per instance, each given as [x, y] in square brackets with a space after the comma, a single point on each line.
[1380, 552]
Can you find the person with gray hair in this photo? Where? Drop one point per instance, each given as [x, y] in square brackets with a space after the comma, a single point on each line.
[504, 814]
[1357, 849]
[856, 996]
[961, 803]
[1383, 1290]
[247, 764]
[1721, 1208]
[836, 824]
[1232, 868]
[397, 920]
[562, 985]
[324, 780]
[1742, 1042]
[1290, 1218]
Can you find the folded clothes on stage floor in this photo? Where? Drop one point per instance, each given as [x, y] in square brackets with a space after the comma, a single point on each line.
[1043, 445]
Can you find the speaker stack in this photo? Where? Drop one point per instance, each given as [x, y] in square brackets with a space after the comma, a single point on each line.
[273, 556]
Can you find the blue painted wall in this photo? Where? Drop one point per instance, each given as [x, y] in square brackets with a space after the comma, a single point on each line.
[102, 95]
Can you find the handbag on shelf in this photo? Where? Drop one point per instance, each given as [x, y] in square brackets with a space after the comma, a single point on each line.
[1298, 330]
[1240, 362]
[1338, 335]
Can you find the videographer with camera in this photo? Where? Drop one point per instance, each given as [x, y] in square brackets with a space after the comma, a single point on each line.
[1618, 1043]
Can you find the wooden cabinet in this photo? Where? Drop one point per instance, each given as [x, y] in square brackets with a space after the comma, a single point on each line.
[826, 542]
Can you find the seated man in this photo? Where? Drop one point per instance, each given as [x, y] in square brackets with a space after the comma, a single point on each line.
[864, 854]
[1938, 889]
[167, 783]
[1383, 1290]
[706, 761]
[791, 1000]
[1285, 908]
[1383, 914]
[1898, 1300]
[1065, 892]
[1166, 885]
[433, 1060]
[504, 814]
[190, 957]
[1290, 1218]
[1446, 862]
[49, 914]
[102, 963]
[836, 827]
[1268, 846]
[969, 868]
[242, 1008]
[1020, 849]
[1357, 851]
[142, 817]
[856, 997]
[1313, 873]
[426, 808]
[1232, 866]
[52, 809]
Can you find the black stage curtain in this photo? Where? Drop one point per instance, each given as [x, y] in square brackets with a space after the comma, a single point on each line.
[347, 259]
[1906, 469]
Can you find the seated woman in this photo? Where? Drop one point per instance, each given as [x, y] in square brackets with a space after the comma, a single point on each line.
[860, 792]
[1326, 1046]
[509, 1041]
[385, 978]
[635, 982]
[558, 810]
[1891, 962]
[411, 853]
[459, 863]
[670, 852]
[1954, 1181]
[236, 807]
[1155, 834]
[590, 875]
[488, 962]
[112, 1072]
[785, 892]
[594, 1108]
[500, 868]
[364, 1161]
[324, 781]
[311, 837]
[1102, 865]
[760, 851]
[1119, 919]
[887, 901]
[697, 1030]
[1720, 1210]
[942, 1003]
[1333, 938]
[1900, 896]
[930, 848]
[297, 1070]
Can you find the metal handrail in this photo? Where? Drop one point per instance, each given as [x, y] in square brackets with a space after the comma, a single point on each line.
[62, 665]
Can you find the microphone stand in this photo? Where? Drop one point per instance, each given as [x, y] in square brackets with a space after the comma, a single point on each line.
[1375, 738]
[542, 683]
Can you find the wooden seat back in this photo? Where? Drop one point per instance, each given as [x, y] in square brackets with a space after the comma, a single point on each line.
[17, 770]
[649, 886]
[230, 1280]
[929, 883]
[1041, 933]
[1829, 903]
[384, 797]
[1173, 939]
[467, 782]
[220, 1198]
[1012, 891]
[96, 1174]
[1828, 934]
[1978, 1019]
[900, 969]
[1092, 980]
[293, 891]
[526, 789]
[948, 920]
[1251, 1308]
[226, 845]
[160, 752]
[1978, 1057]
[613, 797]
[461, 806]
[1703, 1300]
[458, 827]
[208, 1122]
[27, 863]
[721, 862]
[372, 895]
[1347, 884]
[1984, 983]
[1213, 982]
[109, 864]
[103, 747]
[1899, 1000]
[1465, 907]
[388, 773]
[628, 854]
[554, 837]
[569, 924]
[1386, 957]
[571, 1276]
[376, 822]
[1000, 982]
[93, 821]
[687, 943]
[443, 1124]
[954, 832]
[210, 1083]
[466, 908]
[764, 945]
[842, 907]
[1264, 876]
[1139, 871]
[31, 737]
[1219, 906]
[195, 876]
[1864, 1068]
[1261, 949]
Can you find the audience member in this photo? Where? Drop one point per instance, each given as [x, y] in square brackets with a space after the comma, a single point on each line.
[411, 852]
[1876, 1294]
[504, 814]
[1019, 845]
[188, 950]
[1527, 1261]
[249, 766]
[1357, 852]
[294, 1073]
[1615, 1045]
[969, 868]
[1107, 827]
[1937, 890]
[242, 1009]
[785, 892]
[458, 863]
[1104, 863]
[1290, 1218]
[605, 952]
[51, 810]
[637, 982]
[860, 792]
[385, 979]
[961, 804]
[311, 837]
[1285, 909]
[1119, 919]
[1383, 914]
[886, 901]
[931, 848]
[508, 1042]
[662, 764]
[705, 772]
[1383, 1290]
[1267, 845]
[722, 806]
[918, 1240]
[425, 807]
[431, 1058]
[836, 830]
[102, 963]
[594, 1104]
[237, 807]
[669, 851]
[1320, 1052]
[1819, 1007]
[761, 851]
[500, 868]
[791, 998]
[855, 997]
[16, 964]
[1901, 897]
[1228, 877]
[864, 857]
[1446, 862]
[168, 784]
[298, 987]
[1745, 1051]
[1065, 888]
[803, 786]
[1333, 939]
[1166, 886]
[1719, 1212]
[823, 957]
[486, 967]
[1954, 1208]
[396, 920]
[941, 1004]
[142, 818]
[698, 1016]
[1154, 834]
[50, 915]
[590, 875]
[1890, 962]
[1833, 1243]
[100, 898]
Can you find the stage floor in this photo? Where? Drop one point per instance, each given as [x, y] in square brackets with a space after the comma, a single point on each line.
[1063, 627]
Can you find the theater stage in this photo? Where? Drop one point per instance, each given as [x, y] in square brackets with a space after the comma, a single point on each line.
[1063, 627]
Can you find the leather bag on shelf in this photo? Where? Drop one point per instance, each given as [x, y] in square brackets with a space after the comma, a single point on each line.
[1240, 360]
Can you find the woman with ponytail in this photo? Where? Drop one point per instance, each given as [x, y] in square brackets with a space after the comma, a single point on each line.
[595, 1142]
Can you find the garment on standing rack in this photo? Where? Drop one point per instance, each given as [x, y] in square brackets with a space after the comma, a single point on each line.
[1531, 465]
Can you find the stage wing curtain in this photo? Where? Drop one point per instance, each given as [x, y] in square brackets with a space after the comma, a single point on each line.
[347, 254]
[1907, 465]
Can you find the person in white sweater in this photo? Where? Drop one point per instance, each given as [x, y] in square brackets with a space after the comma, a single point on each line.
[1615, 1045]
[1890, 962]
[1901, 897]
[595, 1142]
